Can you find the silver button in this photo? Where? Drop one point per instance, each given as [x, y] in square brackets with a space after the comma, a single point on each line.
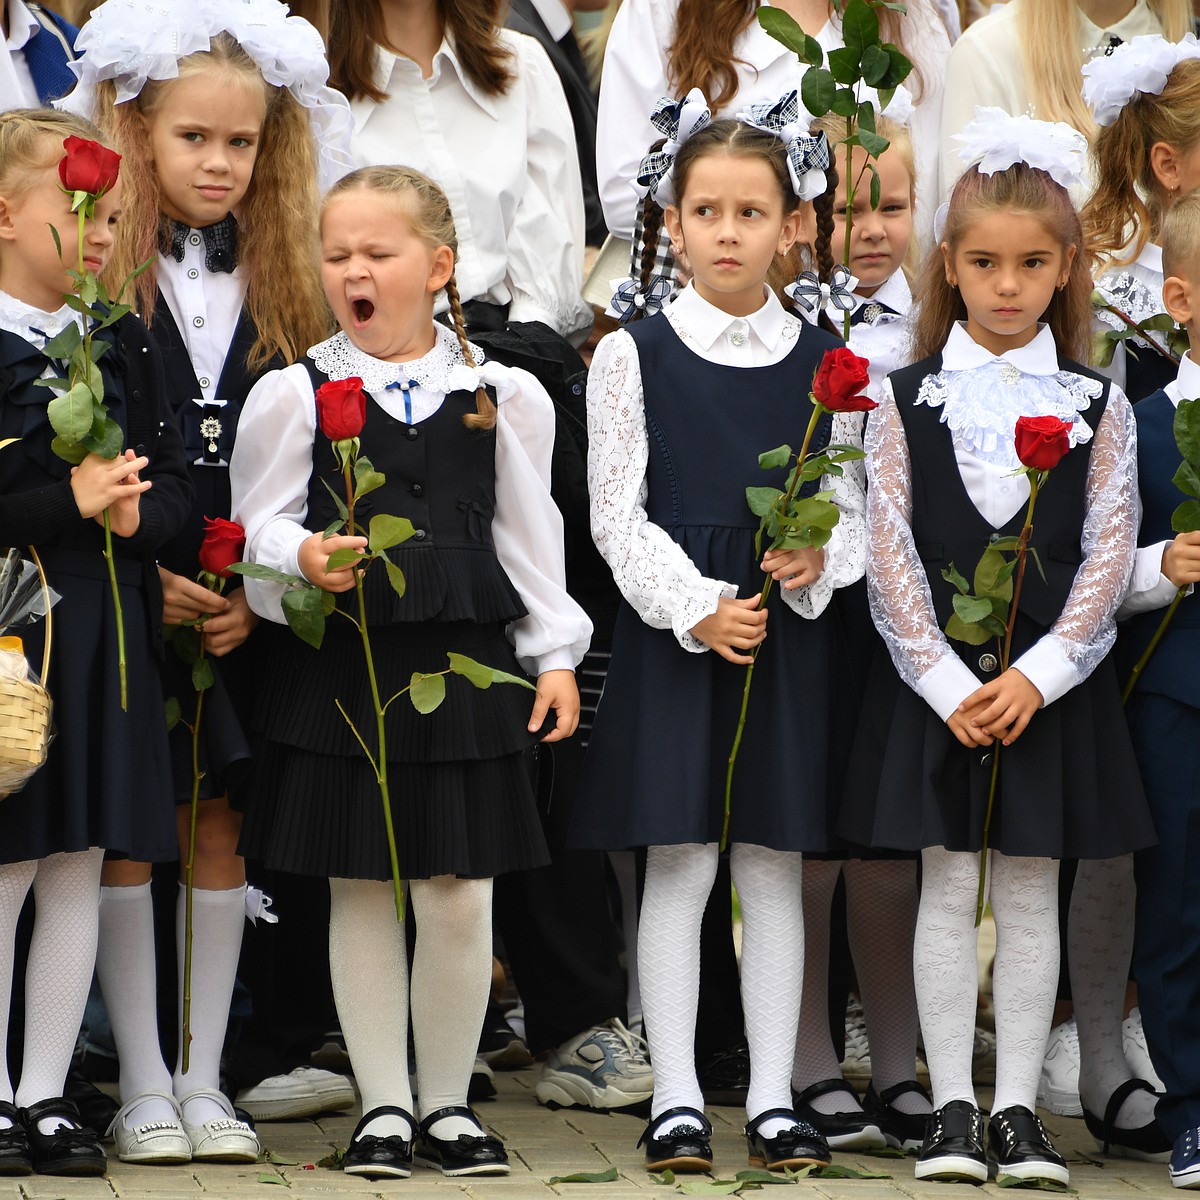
[738, 338]
[198, 322]
[194, 239]
[988, 662]
[204, 381]
[193, 274]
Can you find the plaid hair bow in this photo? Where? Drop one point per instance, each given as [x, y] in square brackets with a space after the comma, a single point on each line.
[676, 120]
[808, 157]
[812, 296]
[629, 298]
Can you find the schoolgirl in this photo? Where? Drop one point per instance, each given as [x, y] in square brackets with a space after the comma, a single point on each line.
[679, 408]
[104, 786]
[469, 466]
[1068, 787]
[223, 132]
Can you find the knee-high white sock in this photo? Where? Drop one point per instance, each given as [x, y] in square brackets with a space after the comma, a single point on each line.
[768, 883]
[678, 881]
[126, 969]
[62, 955]
[881, 914]
[1024, 894]
[1100, 937]
[368, 964]
[451, 979]
[944, 971]
[217, 918]
[624, 865]
[15, 880]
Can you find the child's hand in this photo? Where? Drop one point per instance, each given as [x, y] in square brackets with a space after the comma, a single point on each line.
[112, 483]
[1181, 559]
[185, 600]
[804, 566]
[736, 625]
[314, 555]
[556, 690]
[1008, 703]
[227, 630]
[967, 732]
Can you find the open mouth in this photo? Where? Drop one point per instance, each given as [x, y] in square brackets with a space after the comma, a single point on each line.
[363, 310]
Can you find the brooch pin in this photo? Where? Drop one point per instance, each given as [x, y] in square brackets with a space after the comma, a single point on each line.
[1010, 374]
[210, 429]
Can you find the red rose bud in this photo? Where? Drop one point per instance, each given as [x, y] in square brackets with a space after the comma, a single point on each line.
[87, 166]
[222, 546]
[1042, 441]
[839, 381]
[341, 408]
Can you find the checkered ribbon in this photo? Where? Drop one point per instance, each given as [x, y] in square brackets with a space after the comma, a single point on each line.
[813, 297]
[808, 157]
[630, 298]
[676, 120]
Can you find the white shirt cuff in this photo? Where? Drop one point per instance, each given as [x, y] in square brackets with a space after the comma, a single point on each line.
[556, 660]
[946, 685]
[1048, 669]
[1149, 588]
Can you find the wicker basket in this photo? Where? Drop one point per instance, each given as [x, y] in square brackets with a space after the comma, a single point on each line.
[25, 715]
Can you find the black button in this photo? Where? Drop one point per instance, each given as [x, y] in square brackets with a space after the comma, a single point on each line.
[577, 389]
[419, 535]
[139, 450]
[417, 490]
[412, 433]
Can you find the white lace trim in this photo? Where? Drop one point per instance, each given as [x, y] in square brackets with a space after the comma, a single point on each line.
[23, 319]
[981, 406]
[1136, 298]
[340, 358]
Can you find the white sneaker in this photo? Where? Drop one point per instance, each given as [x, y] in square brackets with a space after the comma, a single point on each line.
[1058, 1088]
[856, 1063]
[304, 1092]
[603, 1067]
[1137, 1053]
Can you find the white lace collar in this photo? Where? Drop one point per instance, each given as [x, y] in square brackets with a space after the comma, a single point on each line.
[704, 323]
[31, 323]
[893, 291]
[340, 358]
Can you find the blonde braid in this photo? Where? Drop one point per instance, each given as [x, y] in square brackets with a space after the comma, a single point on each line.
[485, 415]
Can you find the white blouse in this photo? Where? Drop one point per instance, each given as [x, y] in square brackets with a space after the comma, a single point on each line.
[1136, 290]
[981, 396]
[635, 77]
[272, 466]
[652, 571]
[510, 170]
[884, 340]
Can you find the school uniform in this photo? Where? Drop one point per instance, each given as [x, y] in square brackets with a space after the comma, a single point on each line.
[34, 66]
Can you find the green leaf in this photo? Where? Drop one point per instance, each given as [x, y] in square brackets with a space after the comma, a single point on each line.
[1187, 430]
[334, 1160]
[710, 1187]
[172, 711]
[68, 451]
[875, 65]
[1035, 1185]
[426, 691]
[901, 69]
[785, 29]
[876, 186]
[874, 144]
[813, 55]
[608, 1176]
[865, 117]
[366, 478]
[304, 610]
[385, 532]
[772, 459]
[57, 240]
[1159, 323]
[843, 65]
[185, 641]
[338, 501]
[483, 676]
[817, 87]
[762, 1178]
[817, 510]
[271, 1177]
[762, 499]
[1103, 349]
[885, 95]
[87, 288]
[1187, 479]
[395, 576]
[860, 26]
[838, 1171]
[277, 1159]
[973, 635]
[845, 103]
[65, 344]
[952, 575]
[71, 413]
[668, 1176]
[1037, 562]
[267, 574]
[987, 574]
[972, 609]
[108, 440]
[342, 558]
[202, 674]
[1186, 518]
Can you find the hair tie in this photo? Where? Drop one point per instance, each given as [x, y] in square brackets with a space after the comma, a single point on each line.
[996, 140]
[629, 298]
[807, 156]
[1141, 65]
[813, 297]
[676, 120]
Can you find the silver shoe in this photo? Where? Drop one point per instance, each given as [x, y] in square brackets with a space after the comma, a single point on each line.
[152, 1141]
[223, 1139]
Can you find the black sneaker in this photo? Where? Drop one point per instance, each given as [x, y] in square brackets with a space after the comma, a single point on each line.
[953, 1148]
[1018, 1145]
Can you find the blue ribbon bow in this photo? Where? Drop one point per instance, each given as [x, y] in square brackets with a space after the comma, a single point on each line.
[629, 298]
[812, 296]
[808, 157]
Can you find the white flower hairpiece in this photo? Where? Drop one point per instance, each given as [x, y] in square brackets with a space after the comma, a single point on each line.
[996, 140]
[133, 41]
[899, 108]
[1142, 64]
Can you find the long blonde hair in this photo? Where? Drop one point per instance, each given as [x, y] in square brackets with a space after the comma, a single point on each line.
[1048, 31]
[277, 219]
[31, 141]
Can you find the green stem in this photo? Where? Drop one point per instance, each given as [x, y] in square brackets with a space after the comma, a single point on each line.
[762, 601]
[116, 595]
[980, 899]
[189, 878]
[850, 190]
[1140, 665]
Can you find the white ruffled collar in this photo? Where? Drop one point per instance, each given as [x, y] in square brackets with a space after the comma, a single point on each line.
[32, 323]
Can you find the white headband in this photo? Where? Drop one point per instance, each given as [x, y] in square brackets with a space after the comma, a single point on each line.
[133, 41]
[1140, 65]
[996, 140]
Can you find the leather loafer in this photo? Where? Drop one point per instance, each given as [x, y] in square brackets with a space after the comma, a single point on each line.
[901, 1130]
[1147, 1142]
[71, 1149]
[15, 1156]
[849, 1130]
[370, 1155]
[678, 1140]
[1018, 1145]
[800, 1145]
[953, 1147]
[724, 1076]
[467, 1154]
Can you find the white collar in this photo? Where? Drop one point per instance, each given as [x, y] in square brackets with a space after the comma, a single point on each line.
[23, 319]
[1151, 258]
[963, 353]
[893, 291]
[387, 61]
[706, 322]
[1186, 385]
[1138, 20]
[555, 16]
[22, 25]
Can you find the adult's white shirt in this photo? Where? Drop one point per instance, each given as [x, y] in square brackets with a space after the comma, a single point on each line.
[16, 83]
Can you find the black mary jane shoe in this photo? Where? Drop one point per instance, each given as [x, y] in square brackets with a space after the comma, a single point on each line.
[15, 1155]
[850, 1130]
[1019, 1145]
[800, 1145]
[467, 1154]
[1147, 1143]
[72, 1149]
[684, 1146]
[901, 1130]
[371, 1155]
[952, 1151]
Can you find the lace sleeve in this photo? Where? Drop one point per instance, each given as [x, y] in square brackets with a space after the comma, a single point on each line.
[901, 602]
[652, 572]
[846, 550]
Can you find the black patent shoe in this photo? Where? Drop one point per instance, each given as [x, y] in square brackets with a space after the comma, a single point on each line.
[800, 1145]
[724, 1076]
[683, 1146]
[15, 1155]
[952, 1151]
[901, 1130]
[370, 1155]
[1147, 1143]
[71, 1149]
[96, 1108]
[850, 1130]
[467, 1154]
[1018, 1145]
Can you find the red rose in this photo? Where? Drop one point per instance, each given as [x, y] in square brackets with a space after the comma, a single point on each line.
[839, 381]
[1042, 441]
[88, 166]
[341, 408]
[222, 545]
